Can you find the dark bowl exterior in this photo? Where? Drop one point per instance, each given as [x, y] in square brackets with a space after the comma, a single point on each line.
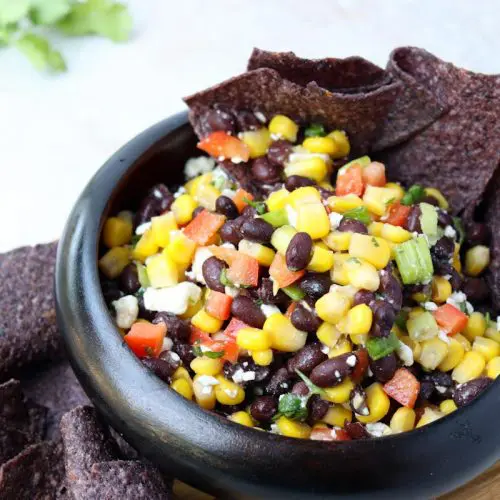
[204, 449]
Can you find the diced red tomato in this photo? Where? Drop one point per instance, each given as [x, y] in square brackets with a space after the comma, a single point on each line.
[199, 336]
[403, 387]
[239, 199]
[146, 339]
[219, 305]
[374, 174]
[219, 144]
[203, 228]
[244, 270]
[222, 343]
[280, 273]
[234, 326]
[398, 214]
[228, 255]
[450, 319]
[350, 182]
[231, 350]
[361, 365]
[327, 434]
[290, 309]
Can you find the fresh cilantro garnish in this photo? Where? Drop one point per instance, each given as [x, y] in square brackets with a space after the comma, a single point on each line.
[359, 213]
[198, 352]
[313, 388]
[354, 260]
[292, 406]
[375, 242]
[26, 24]
[315, 130]
[259, 206]
[224, 279]
[390, 201]
[259, 302]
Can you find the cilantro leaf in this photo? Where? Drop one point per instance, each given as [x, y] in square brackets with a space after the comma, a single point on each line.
[199, 352]
[457, 223]
[359, 213]
[259, 206]
[40, 53]
[48, 12]
[292, 406]
[315, 130]
[313, 388]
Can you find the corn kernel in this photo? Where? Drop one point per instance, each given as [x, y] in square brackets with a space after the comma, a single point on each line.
[284, 128]
[430, 415]
[180, 249]
[277, 199]
[313, 219]
[206, 196]
[181, 372]
[433, 353]
[337, 415]
[397, 187]
[378, 403]
[441, 289]
[403, 420]
[463, 341]
[493, 367]
[471, 366]
[328, 334]
[193, 185]
[204, 395]
[333, 306]
[375, 229]
[290, 428]
[145, 247]
[228, 393]
[358, 321]
[182, 387]
[254, 339]
[457, 264]
[447, 406]
[206, 322]
[343, 346]
[340, 393]
[342, 204]
[476, 325]
[161, 227]
[488, 348]
[304, 196]
[263, 358]
[396, 234]
[257, 141]
[456, 353]
[242, 418]
[326, 185]
[321, 260]
[322, 145]
[114, 261]
[339, 273]
[193, 308]
[342, 143]
[437, 195]
[493, 334]
[282, 237]
[207, 366]
[283, 335]
[183, 208]
[338, 240]
[161, 270]
[477, 259]
[362, 274]
[126, 215]
[116, 232]
[377, 199]
[374, 250]
[262, 254]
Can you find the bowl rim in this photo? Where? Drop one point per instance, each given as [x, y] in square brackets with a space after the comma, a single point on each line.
[105, 351]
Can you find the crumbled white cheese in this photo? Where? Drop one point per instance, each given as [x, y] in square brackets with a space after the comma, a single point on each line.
[306, 306]
[157, 194]
[142, 228]
[300, 154]
[441, 389]
[336, 373]
[405, 354]
[228, 192]
[200, 256]
[351, 360]
[450, 232]
[231, 393]
[325, 349]
[238, 376]
[378, 429]
[292, 215]
[207, 380]
[359, 404]
[442, 335]
[469, 308]
[228, 245]
[430, 306]
[260, 116]
[197, 166]
[498, 323]
[174, 356]
[269, 310]
[127, 310]
[335, 220]
[276, 137]
[247, 376]
[167, 344]
[456, 299]
[179, 192]
[274, 429]
[173, 299]
[232, 291]
[447, 277]
[237, 159]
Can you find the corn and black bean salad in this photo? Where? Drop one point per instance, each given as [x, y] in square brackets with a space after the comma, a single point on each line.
[337, 306]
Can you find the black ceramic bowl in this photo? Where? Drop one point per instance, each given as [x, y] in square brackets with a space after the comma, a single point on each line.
[209, 451]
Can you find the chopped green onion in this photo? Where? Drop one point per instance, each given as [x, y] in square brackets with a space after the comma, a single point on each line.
[313, 388]
[425, 260]
[359, 213]
[276, 218]
[363, 161]
[379, 347]
[315, 130]
[294, 292]
[422, 327]
[429, 221]
[259, 206]
[414, 261]
[407, 199]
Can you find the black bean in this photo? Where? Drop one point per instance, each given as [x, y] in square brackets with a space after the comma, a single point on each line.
[163, 196]
[279, 151]
[306, 359]
[264, 408]
[211, 270]
[230, 231]
[465, 393]
[245, 309]
[352, 226]
[426, 390]
[413, 221]
[443, 249]
[171, 358]
[332, 371]
[318, 408]
[158, 200]
[129, 279]
[357, 401]
[279, 383]
[257, 230]
[384, 368]
[185, 352]
[298, 252]
[444, 218]
[248, 212]
[325, 193]
[300, 388]
[476, 289]
[265, 293]
[441, 267]
[391, 289]
[225, 206]
[262, 373]
[197, 211]
[297, 181]
[247, 120]
[177, 329]
[477, 234]
[456, 280]
[161, 368]
[143, 312]
[265, 171]
[363, 297]
[315, 285]
[217, 119]
[305, 319]
[356, 430]
[110, 291]
[383, 318]
[442, 384]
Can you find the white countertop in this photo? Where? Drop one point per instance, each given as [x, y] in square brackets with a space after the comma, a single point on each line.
[56, 131]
